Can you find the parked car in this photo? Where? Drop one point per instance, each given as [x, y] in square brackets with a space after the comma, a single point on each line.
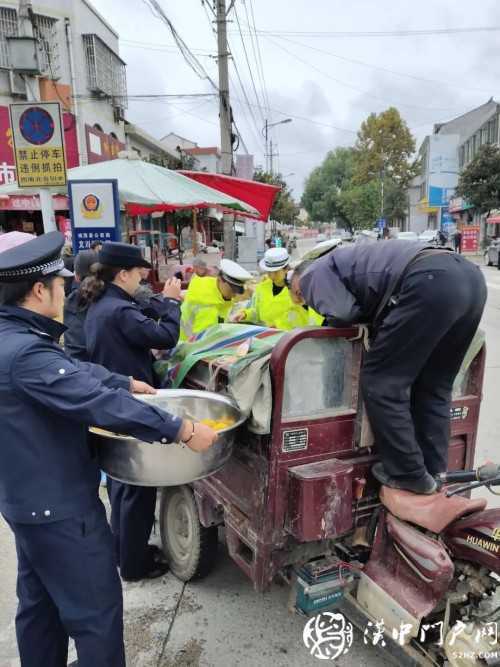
[491, 254]
[429, 236]
[407, 236]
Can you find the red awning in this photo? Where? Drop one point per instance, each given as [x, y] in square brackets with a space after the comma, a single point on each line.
[259, 195]
[493, 220]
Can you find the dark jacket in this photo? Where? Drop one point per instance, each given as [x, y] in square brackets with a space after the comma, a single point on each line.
[74, 319]
[47, 401]
[349, 285]
[119, 336]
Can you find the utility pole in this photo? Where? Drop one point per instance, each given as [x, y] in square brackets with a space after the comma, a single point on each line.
[32, 95]
[226, 139]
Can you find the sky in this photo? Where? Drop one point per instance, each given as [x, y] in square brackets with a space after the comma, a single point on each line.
[327, 83]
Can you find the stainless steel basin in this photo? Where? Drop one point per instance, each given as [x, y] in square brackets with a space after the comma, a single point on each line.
[130, 460]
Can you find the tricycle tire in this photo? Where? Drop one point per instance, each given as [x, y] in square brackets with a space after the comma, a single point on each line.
[189, 547]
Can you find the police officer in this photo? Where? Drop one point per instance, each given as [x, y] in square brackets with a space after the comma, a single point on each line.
[425, 305]
[209, 299]
[120, 337]
[68, 583]
[75, 311]
[271, 303]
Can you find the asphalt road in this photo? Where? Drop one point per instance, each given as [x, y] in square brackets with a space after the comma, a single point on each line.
[221, 621]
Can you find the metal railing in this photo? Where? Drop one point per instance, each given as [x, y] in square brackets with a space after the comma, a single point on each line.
[8, 28]
[105, 70]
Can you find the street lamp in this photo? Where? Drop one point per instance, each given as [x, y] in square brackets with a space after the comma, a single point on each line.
[265, 130]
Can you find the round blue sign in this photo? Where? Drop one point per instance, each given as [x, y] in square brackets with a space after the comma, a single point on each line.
[36, 126]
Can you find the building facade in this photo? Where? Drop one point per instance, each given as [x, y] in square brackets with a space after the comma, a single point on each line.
[467, 133]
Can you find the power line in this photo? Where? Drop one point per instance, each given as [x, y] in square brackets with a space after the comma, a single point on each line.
[257, 53]
[382, 69]
[381, 33]
[359, 90]
[248, 64]
[169, 48]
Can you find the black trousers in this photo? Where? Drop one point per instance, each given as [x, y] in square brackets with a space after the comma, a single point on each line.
[68, 586]
[132, 518]
[408, 374]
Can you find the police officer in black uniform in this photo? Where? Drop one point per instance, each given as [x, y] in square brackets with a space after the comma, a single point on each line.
[120, 336]
[68, 583]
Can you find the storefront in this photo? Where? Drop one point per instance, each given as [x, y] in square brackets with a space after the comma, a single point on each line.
[22, 213]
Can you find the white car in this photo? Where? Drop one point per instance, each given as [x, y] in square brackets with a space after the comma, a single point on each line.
[407, 236]
[429, 236]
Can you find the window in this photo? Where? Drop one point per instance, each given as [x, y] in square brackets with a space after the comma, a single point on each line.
[319, 378]
[474, 146]
[8, 28]
[461, 156]
[49, 48]
[467, 151]
[105, 70]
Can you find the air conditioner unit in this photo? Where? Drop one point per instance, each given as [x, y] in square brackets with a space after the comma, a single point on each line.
[24, 55]
[17, 85]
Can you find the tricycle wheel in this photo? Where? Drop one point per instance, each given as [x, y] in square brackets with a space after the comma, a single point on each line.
[189, 547]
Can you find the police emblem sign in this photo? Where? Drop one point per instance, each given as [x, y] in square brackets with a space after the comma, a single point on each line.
[94, 210]
[38, 138]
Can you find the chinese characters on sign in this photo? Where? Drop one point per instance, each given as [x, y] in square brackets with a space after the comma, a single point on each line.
[470, 238]
[94, 212]
[38, 144]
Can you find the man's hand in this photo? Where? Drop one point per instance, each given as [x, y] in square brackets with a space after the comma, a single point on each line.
[201, 437]
[172, 289]
[139, 387]
[239, 317]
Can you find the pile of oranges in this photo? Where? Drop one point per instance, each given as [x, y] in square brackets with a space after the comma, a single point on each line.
[218, 424]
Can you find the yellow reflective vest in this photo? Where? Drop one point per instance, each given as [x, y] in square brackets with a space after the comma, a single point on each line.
[278, 311]
[203, 306]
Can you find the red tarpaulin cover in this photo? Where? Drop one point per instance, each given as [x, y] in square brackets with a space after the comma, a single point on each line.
[259, 195]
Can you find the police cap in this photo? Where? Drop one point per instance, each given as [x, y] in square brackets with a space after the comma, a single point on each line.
[122, 255]
[234, 274]
[24, 257]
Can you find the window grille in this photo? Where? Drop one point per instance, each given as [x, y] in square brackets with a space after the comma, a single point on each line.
[49, 48]
[105, 70]
[8, 28]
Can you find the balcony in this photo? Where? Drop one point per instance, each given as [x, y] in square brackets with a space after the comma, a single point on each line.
[106, 74]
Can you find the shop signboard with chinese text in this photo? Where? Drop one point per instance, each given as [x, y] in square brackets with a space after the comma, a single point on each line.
[443, 168]
[38, 139]
[94, 211]
[470, 238]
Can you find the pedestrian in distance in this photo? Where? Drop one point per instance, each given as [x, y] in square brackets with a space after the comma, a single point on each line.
[68, 583]
[457, 241]
[75, 310]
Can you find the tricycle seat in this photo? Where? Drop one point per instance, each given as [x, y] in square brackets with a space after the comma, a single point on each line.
[434, 512]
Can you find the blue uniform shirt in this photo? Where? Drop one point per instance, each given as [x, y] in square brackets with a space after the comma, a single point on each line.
[120, 336]
[47, 401]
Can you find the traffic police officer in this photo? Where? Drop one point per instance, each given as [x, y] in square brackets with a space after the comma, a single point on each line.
[120, 336]
[209, 299]
[68, 583]
[271, 303]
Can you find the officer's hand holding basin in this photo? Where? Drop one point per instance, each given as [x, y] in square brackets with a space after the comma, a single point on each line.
[156, 464]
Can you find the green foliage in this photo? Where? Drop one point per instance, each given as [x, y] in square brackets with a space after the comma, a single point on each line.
[347, 186]
[284, 209]
[321, 197]
[479, 182]
[385, 145]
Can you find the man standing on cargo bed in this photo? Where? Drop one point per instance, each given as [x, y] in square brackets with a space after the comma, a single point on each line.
[424, 305]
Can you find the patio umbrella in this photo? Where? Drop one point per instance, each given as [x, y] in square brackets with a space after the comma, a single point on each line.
[144, 187]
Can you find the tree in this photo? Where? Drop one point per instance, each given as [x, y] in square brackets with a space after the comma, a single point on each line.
[284, 209]
[479, 182]
[384, 149]
[321, 197]
[361, 205]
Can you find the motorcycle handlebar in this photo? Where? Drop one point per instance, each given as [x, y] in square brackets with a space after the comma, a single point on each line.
[482, 474]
